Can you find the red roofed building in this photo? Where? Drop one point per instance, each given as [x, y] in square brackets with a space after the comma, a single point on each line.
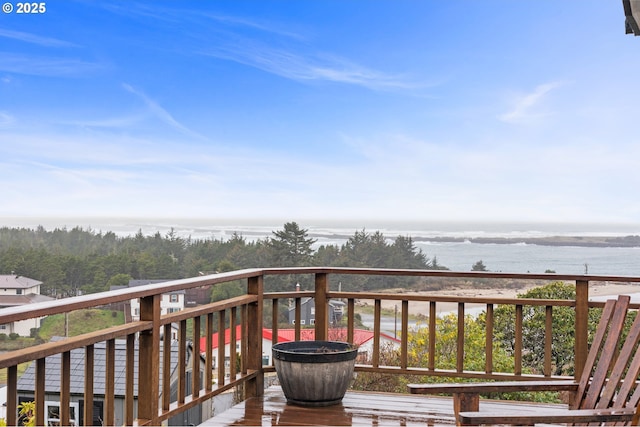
[361, 337]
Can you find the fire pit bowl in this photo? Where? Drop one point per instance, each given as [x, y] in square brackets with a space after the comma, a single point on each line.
[314, 373]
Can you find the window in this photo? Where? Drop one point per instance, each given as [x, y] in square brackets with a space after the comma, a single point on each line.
[52, 413]
[18, 291]
[98, 409]
[173, 298]
[3, 327]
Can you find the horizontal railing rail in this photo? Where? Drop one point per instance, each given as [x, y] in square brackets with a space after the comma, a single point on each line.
[156, 363]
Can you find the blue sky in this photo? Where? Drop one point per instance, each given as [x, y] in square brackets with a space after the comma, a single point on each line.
[400, 110]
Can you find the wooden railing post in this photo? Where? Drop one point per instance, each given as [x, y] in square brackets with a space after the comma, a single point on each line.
[322, 306]
[582, 320]
[149, 362]
[254, 387]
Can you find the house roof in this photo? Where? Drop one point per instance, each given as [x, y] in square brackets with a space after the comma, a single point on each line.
[11, 281]
[53, 367]
[360, 336]
[18, 300]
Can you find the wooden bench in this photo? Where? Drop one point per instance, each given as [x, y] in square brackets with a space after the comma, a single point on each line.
[607, 391]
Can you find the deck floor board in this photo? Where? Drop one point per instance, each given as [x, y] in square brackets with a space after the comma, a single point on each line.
[357, 409]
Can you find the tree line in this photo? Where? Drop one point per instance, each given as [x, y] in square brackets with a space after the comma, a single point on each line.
[77, 261]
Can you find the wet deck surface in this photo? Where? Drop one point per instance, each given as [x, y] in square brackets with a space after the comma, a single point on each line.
[357, 408]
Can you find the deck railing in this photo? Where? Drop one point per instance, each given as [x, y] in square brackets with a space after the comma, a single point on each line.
[153, 402]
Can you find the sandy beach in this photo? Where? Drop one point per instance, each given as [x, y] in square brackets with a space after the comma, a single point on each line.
[597, 290]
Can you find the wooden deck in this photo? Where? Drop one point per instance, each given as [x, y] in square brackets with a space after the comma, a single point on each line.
[357, 408]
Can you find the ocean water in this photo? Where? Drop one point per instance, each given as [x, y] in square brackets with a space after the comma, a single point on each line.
[457, 256]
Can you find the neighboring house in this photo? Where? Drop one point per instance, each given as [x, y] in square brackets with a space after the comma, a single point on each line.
[361, 337]
[17, 291]
[26, 383]
[170, 303]
[308, 312]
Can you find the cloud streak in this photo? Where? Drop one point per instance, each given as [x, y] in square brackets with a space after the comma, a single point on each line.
[526, 107]
[290, 65]
[34, 39]
[6, 119]
[42, 66]
[162, 114]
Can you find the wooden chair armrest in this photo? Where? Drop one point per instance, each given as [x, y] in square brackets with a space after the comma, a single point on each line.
[577, 416]
[493, 387]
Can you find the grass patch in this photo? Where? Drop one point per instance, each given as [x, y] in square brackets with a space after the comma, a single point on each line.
[79, 322]
[384, 312]
[16, 344]
[21, 368]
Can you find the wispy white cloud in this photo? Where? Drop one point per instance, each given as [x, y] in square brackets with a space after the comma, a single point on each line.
[262, 25]
[121, 122]
[35, 39]
[6, 119]
[41, 66]
[291, 65]
[162, 114]
[526, 107]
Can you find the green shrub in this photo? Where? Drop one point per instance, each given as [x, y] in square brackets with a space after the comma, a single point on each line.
[13, 336]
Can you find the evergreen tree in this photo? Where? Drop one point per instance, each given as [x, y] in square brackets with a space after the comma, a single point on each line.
[291, 246]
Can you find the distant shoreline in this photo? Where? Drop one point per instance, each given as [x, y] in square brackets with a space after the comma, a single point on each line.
[584, 241]
[587, 241]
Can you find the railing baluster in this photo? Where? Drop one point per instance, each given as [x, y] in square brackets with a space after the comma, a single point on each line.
[376, 332]
[432, 336]
[581, 326]
[298, 318]
[488, 362]
[130, 363]
[89, 363]
[232, 344]
[182, 361]
[244, 339]
[195, 359]
[460, 340]
[274, 321]
[404, 334]
[65, 387]
[208, 374]
[109, 382]
[12, 393]
[517, 368]
[40, 391]
[548, 339]
[166, 367]
[221, 352]
[351, 319]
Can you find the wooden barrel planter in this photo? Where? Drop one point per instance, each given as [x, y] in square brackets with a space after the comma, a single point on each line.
[314, 373]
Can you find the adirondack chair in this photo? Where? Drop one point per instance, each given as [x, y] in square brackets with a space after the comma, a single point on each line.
[607, 391]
